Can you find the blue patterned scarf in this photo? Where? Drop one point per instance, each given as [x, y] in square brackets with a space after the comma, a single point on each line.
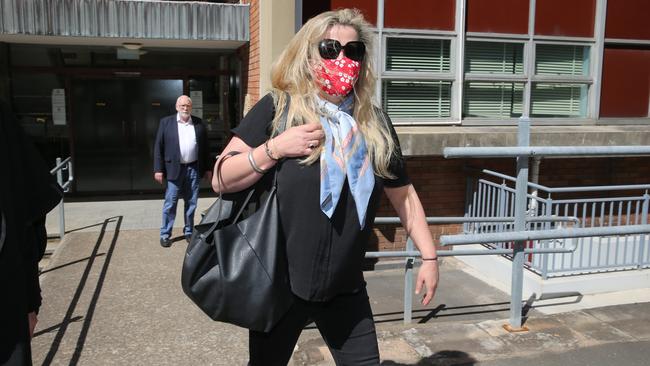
[345, 154]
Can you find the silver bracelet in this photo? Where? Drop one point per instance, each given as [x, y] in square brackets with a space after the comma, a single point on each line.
[253, 165]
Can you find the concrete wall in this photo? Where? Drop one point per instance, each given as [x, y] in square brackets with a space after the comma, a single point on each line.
[277, 26]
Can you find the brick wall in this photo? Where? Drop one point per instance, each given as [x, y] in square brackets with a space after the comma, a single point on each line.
[252, 58]
[441, 183]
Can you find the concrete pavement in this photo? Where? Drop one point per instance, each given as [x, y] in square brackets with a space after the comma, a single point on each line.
[112, 296]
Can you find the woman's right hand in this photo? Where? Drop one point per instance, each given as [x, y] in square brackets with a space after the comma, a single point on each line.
[297, 141]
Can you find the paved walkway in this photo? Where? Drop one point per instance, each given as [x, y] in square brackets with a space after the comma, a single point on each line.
[112, 296]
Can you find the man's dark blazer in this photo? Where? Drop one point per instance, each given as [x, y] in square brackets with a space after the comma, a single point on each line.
[167, 151]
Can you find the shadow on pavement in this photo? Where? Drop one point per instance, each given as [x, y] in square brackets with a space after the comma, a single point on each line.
[68, 318]
[441, 358]
[424, 315]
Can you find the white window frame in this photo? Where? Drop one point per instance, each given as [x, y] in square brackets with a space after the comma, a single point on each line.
[529, 77]
[508, 78]
[389, 75]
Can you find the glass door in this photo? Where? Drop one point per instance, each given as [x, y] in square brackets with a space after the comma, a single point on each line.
[115, 123]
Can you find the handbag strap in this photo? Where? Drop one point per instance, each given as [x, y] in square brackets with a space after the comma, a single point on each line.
[281, 127]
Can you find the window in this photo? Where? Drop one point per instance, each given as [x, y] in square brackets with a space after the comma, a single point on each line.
[561, 82]
[417, 54]
[417, 99]
[494, 79]
[417, 81]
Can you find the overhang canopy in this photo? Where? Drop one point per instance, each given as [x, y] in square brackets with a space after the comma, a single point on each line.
[125, 19]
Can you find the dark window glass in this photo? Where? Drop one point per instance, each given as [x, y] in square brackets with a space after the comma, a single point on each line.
[420, 14]
[628, 19]
[626, 83]
[497, 16]
[574, 18]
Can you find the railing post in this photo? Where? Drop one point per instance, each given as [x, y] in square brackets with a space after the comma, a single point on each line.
[408, 283]
[501, 211]
[521, 205]
[59, 179]
[644, 220]
[469, 205]
[549, 213]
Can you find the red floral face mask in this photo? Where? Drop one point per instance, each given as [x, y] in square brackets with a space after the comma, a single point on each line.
[337, 77]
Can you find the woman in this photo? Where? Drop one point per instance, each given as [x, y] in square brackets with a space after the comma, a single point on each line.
[333, 158]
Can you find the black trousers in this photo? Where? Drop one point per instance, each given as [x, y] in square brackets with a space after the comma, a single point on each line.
[345, 323]
[15, 349]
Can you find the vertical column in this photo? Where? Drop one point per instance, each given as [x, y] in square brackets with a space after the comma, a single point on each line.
[597, 56]
[379, 53]
[521, 198]
[408, 283]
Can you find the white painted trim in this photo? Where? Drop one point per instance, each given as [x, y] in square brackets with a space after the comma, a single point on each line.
[379, 55]
[642, 42]
[564, 39]
[529, 58]
[425, 32]
[458, 46]
[513, 36]
[597, 54]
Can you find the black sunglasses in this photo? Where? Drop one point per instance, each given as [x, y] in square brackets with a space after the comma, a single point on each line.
[330, 48]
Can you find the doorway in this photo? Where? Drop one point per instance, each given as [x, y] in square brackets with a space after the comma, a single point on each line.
[115, 123]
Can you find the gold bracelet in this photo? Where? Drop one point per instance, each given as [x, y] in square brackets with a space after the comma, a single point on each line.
[430, 259]
[253, 165]
[268, 151]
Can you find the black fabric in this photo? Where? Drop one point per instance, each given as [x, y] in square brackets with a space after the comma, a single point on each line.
[27, 193]
[325, 255]
[235, 266]
[345, 322]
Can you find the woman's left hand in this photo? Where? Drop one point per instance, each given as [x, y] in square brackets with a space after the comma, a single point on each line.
[428, 277]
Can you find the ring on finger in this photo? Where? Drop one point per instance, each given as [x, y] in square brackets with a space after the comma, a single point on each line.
[311, 146]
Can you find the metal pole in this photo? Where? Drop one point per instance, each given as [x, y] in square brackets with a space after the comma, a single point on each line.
[644, 221]
[549, 212]
[59, 179]
[408, 283]
[521, 198]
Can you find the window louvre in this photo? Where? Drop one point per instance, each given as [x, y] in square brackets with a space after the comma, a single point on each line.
[417, 99]
[493, 99]
[417, 54]
[552, 59]
[559, 100]
[494, 58]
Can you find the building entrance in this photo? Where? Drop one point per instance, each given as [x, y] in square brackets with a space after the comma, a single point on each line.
[114, 123]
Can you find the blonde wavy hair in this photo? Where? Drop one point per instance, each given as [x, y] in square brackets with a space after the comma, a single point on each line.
[292, 75]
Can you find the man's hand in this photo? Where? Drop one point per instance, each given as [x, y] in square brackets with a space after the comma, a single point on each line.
[158, 176]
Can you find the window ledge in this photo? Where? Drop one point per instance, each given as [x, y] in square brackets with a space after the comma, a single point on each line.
[431, 140]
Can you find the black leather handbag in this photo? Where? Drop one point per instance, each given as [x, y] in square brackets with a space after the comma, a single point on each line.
[235, 266]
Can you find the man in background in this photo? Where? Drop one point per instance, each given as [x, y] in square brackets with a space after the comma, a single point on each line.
[181, 156]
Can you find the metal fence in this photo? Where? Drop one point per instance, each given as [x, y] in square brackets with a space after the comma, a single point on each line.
[491, 195]
[63, 166]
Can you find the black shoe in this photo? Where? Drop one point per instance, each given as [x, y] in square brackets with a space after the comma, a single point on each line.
[165, 242]
[188, 237]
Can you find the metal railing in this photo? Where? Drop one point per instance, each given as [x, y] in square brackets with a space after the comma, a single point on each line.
[61, 167]
[520, 233]
[410, 253]
[593, 254]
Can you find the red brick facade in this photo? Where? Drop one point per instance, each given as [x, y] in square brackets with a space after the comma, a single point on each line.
[441, 185]
[251, 57]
